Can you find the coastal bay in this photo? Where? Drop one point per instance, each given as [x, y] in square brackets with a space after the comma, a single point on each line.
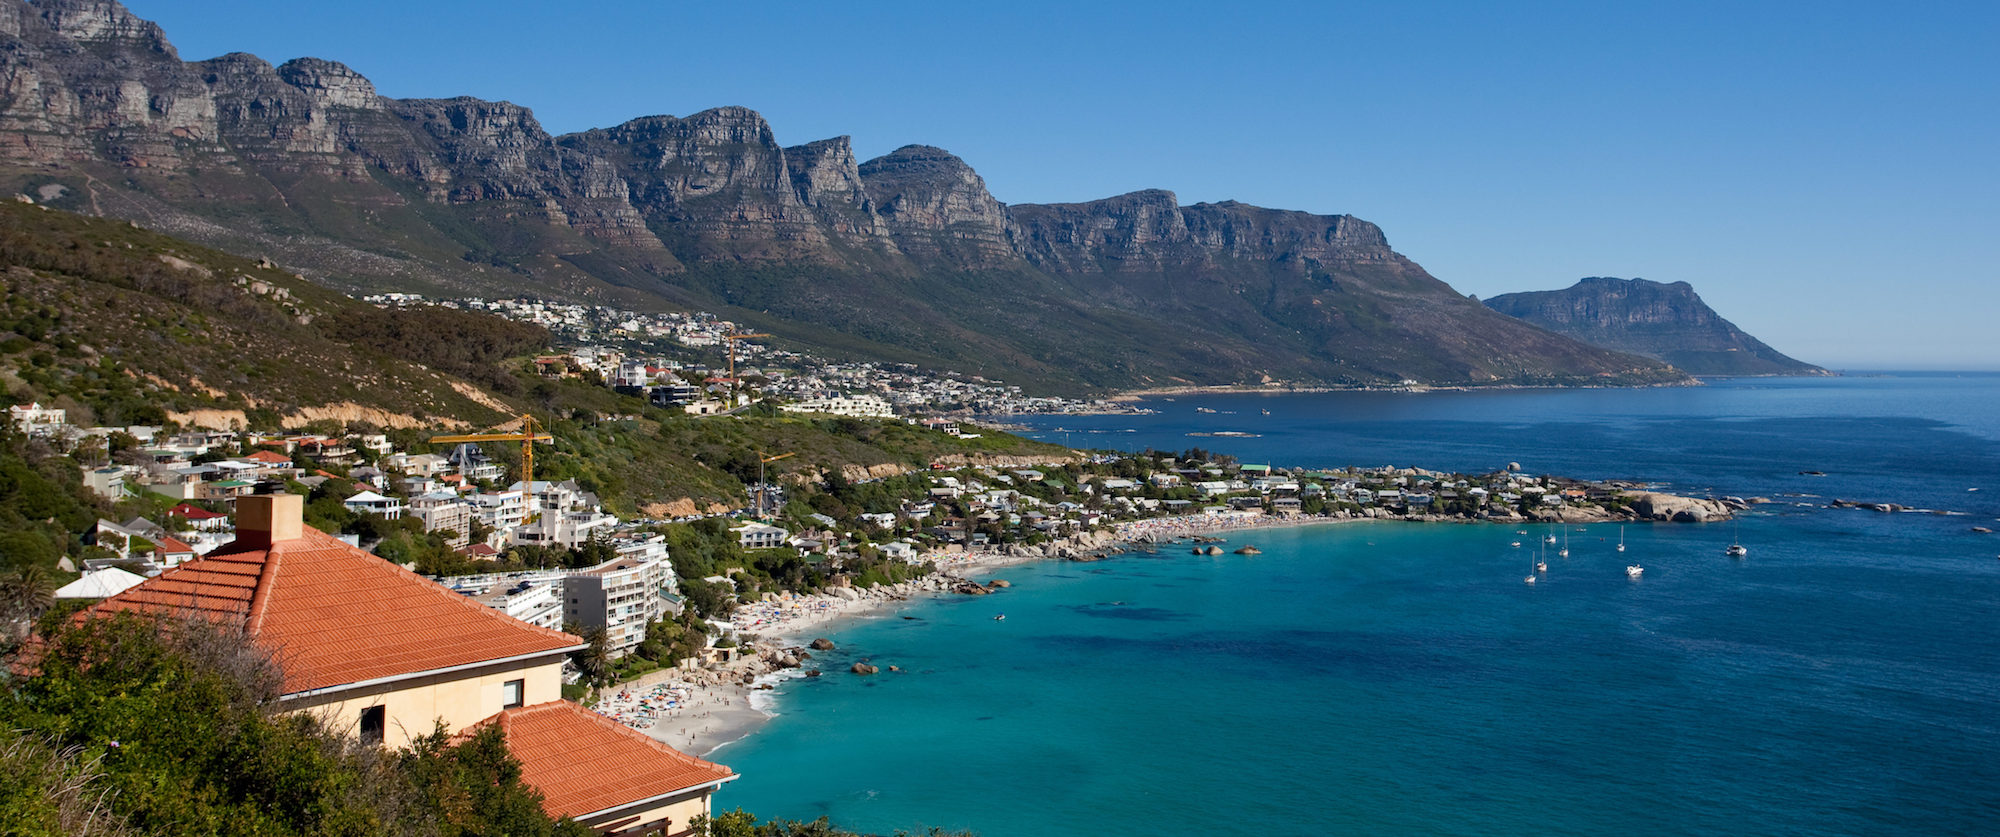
[1390, 677]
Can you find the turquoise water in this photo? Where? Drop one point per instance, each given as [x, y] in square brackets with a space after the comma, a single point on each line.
[1398, 678]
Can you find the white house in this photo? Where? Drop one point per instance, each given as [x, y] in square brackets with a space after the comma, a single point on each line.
[369, 502]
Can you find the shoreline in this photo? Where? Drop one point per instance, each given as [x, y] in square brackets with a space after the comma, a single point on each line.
[701, 710]
[713, 707]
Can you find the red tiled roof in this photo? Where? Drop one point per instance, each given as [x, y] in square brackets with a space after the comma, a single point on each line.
[583, 762]
[269, 458]
[333, 614]
[188, 512]
[172, 546]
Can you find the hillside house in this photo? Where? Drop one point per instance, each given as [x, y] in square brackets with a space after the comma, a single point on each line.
[385, 655]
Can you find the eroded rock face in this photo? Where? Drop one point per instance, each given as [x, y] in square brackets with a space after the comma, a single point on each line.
[1233, 292]
[937, 208]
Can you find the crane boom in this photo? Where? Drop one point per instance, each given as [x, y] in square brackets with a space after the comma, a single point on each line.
[527, 436]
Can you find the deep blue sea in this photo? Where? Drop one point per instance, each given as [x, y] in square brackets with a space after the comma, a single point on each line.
[1401, 679]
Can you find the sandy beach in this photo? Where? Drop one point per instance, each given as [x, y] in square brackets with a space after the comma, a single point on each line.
[700, 710]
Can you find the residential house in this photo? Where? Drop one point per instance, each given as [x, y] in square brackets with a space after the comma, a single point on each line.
[385, 655]
[569, 529]
[759, 536]
[37, 420]
[369, 502]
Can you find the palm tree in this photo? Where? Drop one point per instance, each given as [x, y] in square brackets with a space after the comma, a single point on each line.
[25, 594]
[594, 660]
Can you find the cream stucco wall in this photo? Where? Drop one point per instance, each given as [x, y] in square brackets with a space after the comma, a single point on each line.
[675, 813]
[413, 707]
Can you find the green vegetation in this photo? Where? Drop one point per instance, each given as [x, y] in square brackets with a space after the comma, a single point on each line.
[124, 326]
[132, 726]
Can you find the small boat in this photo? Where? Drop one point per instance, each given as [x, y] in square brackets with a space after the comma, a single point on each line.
[1736, 550]
[1517, 544]
[1204, 410]
[1621, 542]
[1634, 570]
[1268, 412]
[1000, 617]
[1564, 552]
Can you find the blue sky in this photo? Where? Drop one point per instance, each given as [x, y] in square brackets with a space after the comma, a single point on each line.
[1827, 175]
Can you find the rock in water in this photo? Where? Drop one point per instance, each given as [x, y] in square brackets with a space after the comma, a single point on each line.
[863, 668]
[822, 644]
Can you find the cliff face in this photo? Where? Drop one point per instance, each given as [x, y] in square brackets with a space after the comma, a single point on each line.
[937, 208]
[907, 254]
[1666, 321]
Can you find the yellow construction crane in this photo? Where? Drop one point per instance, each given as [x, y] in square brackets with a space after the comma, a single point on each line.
[763, 460]
[526, 435]
[733, 383]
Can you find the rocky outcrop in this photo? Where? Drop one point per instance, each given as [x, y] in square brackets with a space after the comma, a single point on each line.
[1665, 321]
[936, 208]
[1653, 505]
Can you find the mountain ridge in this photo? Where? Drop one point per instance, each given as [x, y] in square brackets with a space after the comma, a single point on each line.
[906, 256]
[1665, 320]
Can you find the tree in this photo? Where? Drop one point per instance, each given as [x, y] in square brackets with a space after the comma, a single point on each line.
[594, 659]
[25, 594]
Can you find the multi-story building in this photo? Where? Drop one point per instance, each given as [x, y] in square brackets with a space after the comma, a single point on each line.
[621, 596]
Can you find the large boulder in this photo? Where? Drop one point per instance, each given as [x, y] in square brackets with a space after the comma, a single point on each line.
[822, 644]
[863, 668]
[1654, 505]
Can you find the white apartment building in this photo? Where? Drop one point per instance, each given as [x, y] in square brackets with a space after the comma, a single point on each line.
[861, 406]
[444, 511]
[759, 536]
[570, 529]
[622, 596]
[501, 510]
[537, 602]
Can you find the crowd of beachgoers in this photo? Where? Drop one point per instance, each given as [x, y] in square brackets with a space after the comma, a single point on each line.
[641, 708]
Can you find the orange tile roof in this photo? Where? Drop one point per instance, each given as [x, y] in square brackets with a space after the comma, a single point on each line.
[583, 762]
[269, 458]
[172, 546]
[333, 614]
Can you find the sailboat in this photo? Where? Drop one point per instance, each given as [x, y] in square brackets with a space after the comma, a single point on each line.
[1541, 560]
[1736, 548]
[1633, 570]
[1621, 539]
[1539, 566]
[1565, 550]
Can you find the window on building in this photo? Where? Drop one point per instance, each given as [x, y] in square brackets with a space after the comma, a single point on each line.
[374, 722]
[510, 694]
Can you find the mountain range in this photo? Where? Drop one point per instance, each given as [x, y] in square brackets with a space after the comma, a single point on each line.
[1669, 322]
[904, 257]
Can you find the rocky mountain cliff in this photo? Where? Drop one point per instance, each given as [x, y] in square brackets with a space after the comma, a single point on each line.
[1665, 321]
[906, 256]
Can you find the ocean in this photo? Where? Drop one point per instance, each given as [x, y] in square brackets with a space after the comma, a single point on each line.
[1390, 678]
